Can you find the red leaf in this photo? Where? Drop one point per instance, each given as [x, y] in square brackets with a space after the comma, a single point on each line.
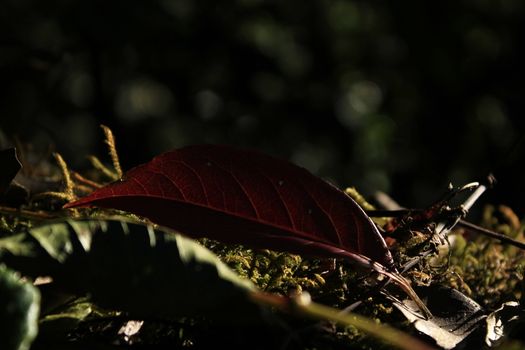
[245, 197]
[249, 198]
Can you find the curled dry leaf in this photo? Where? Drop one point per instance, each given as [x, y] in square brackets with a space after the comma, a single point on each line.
[500, 321]
[455, 316]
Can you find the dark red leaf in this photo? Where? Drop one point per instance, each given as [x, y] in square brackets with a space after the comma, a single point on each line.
[249, 198]
[245, 197]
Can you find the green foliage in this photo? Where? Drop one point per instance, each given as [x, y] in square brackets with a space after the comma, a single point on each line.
[484, 269]
[19, 311]
[122, 264]
[150, 274]
[107, 271]
[65, 318]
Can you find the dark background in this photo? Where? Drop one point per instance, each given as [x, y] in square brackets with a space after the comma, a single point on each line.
[402, 97]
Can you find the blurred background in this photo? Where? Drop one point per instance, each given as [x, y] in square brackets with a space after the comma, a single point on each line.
[401, 97]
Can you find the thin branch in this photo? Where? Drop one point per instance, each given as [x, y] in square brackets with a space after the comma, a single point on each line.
[302, 305]
[492, 234]
[445, 226]
[390, 213]
[26, 213]
[85, 181]
[97, 164]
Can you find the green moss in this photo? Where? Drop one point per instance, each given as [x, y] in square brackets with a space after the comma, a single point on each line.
[480, 267]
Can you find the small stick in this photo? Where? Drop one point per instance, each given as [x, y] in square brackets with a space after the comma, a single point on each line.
[26, 213]
[441, 230]
[97, 164]
[303, 305]
[492, 234]
[379, 287]
[390, 213]
[462, 223]
[83, 188]
[85, 181]
[444, 227]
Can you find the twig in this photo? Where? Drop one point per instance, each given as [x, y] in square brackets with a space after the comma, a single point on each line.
[303, 305]
[442, 228]
[391, 213]
[491, 234]
[26, 213]
[380, 286]
[462, 223]
[445, 226]
[85, 181]
[97, 164]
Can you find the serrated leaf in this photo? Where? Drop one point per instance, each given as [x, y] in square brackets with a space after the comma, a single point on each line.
[131, 267]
